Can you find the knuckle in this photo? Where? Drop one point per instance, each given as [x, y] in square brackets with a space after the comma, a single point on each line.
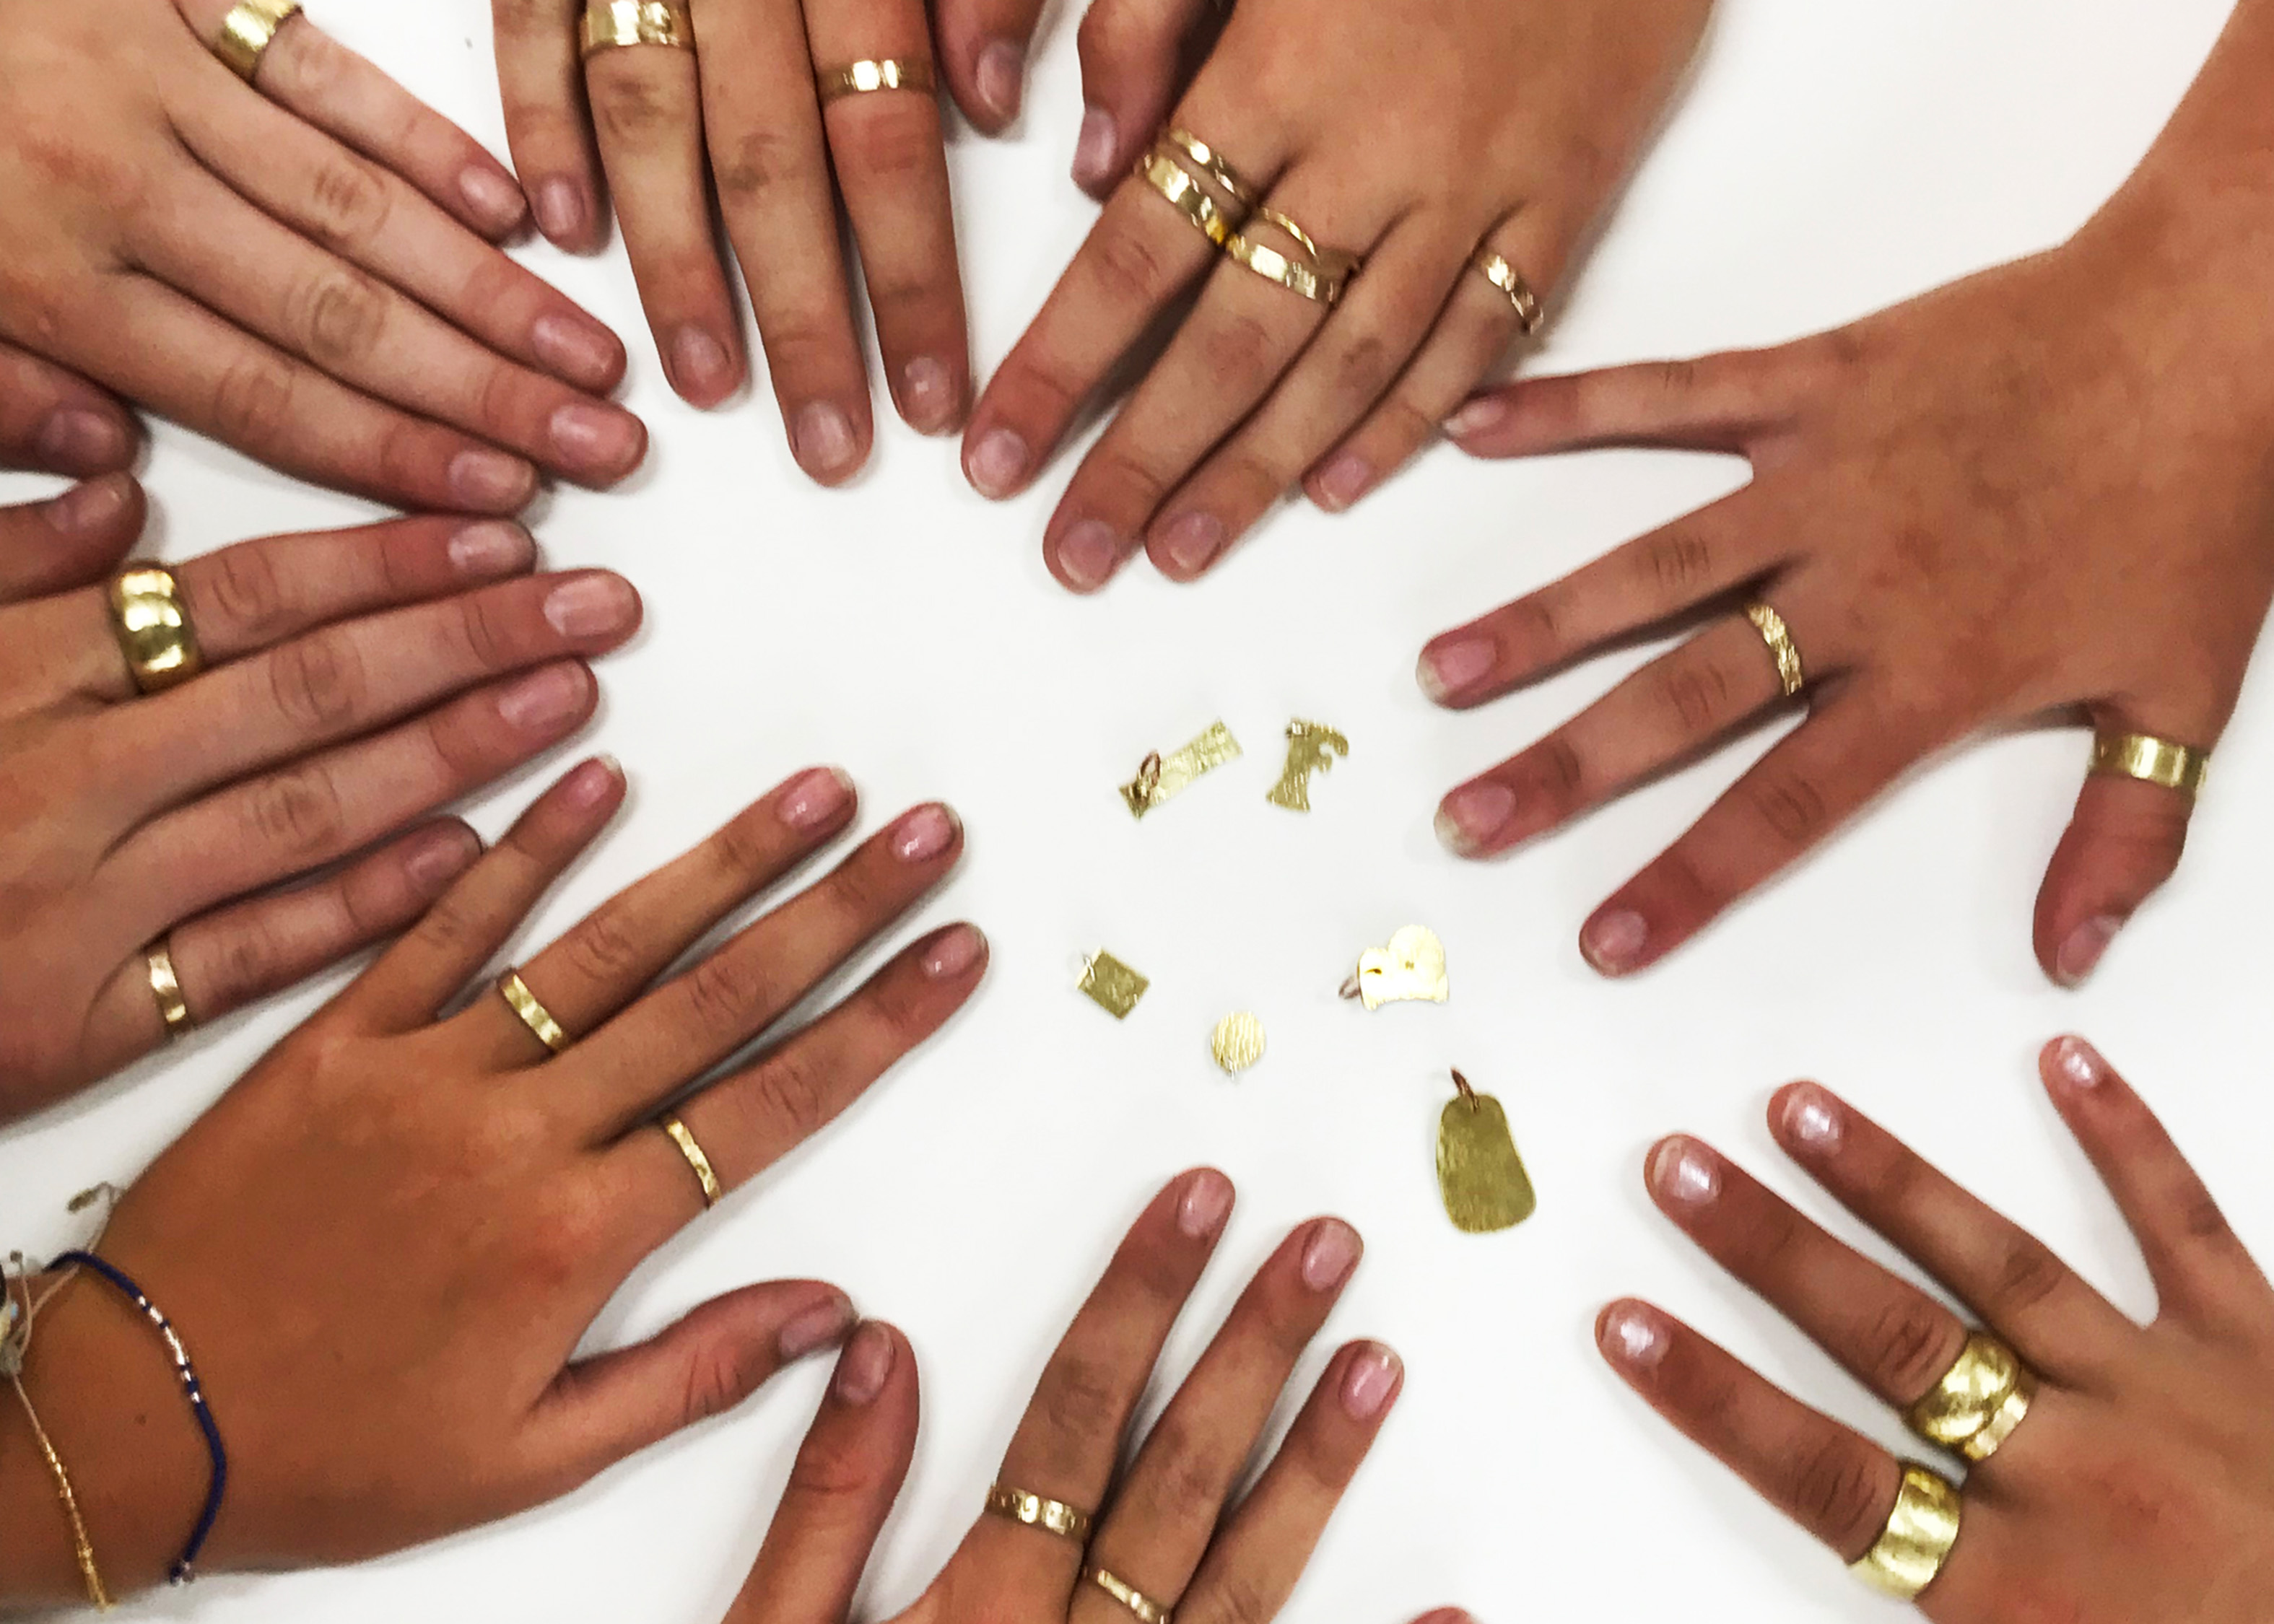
[1243, 352]
[747, 849]
[887, 144]
[827, 1479]
[1694, 692]
[253, 401]
[1790, 805]
[249, 964]
[718, 1378]
[604, 950]
[1080, 1404]
[1672, 380]
[1252, 475]
[1560, 772]
[1674, 565]
[2202, 1218]
[1365, 366]
[721, 993]
[350, 204]
[1909, 1347]
[1237, 1599]
[1533, 628]
[1118, 469]
[629, 110]
[757, 161]
[793, 1093]
[2027, 1275]
[1832, 1490]
[317, 683]
[1183, 1476]
[249, 593]
[483, 625]
[341, 316]
[1127, 267]
[297, 813]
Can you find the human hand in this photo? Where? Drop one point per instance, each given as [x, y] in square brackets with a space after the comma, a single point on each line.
[298, 270]
[356, 680]
[1407, 134]
[1998, 455]
[383, 1246]
[2140, 1482]
[1168, 1529]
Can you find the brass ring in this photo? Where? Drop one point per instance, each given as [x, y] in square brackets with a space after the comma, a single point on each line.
[1147, 1610]
[1978, 1403]
[1917, 1539]
[153, 627]
[1214, 165]
[676, 1130]
[533, 1014]
[859, 78]
[2151, 760]
[1319, 277]
[1497, 270]
[166, 989]
[248, 31]
[1185, 193]
[1774, 633]
[1053, 1516]
[610, 25]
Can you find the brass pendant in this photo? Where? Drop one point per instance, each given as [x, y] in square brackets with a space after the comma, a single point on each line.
[1238, 1043]
[1411, 969]
[1162, 777]
[1312, 747]
[1479, 1172]
[1111, 985]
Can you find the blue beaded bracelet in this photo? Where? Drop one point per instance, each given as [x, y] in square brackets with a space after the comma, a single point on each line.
[184, 1566]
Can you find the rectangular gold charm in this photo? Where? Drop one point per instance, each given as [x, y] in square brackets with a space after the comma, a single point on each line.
[1163, 776]
[1111, 985]
[1479, 1173]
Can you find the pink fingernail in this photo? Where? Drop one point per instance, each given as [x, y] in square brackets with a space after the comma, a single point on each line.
[1685, 1173]
[592, 781]
[1632, 1336]
[490, 481]
[74, 441]
[439, 858]
[543, 699]
[1371, 1381]
[1812, 1118]
[596, 441]
[562, 210]
[89, 507]
[954, 953]
[822, 441]
[2078, 1064]
[496, 201]
[1207, 1204]
[482, 551]
[1470, 817]
[1486, 411]
[1451, 665]
[928, 394]
[1001, 68]
[1330, 1254]
[822, 1326]
[997, 463]
[1093, 149]
[924, 834]
[700, 369]
[2080, 955]
[574, 348]
[1088, 555]
[1614, 941]
[1193, 541]
[1343, 481]
[864, 1366]
[815, 799]
[594, 606]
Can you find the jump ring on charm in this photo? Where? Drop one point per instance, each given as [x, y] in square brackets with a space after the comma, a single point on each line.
[610, 25]
[1185, 193]
[677, 1132]
[1978, 1403]
[153, 628]
[2151, 760]
[1053, 1516]
[1497, 270]
[533, 1014]
[166, 989]
[1774, 633]
[248, 31]
[859, 78]
[1214, 165]
[1147, 1610]
[1917, 1539]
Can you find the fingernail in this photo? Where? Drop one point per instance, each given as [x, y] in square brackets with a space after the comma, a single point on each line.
[814, 799]
[1470, 817]
[1193, 542]
[1370, 1381]
[560, 209]
[924, 834]
[822, 441]
[598, 440]
[1343, 481]
[485, 550]
[89, 507]
[700, 367]
[1001, 68]
[2080, 955]
[1207, 1204]
[496, 201]
[1682, 1172]
[1453, 665]
[1632, 1336]
[1330, 1254]
[1812, 1118]
[997, 463]
[483, 479]
[593, 781]
[1486, 411]
[954, 953]
[1093, 149]
[2078, 1064]
[864, 1366]
[1613, 942]
[441, 857]
[593, 606]
[1088, 555]
[927, 394]
[74, 440]
[822, 1326]
[575, 349]
[543, 698]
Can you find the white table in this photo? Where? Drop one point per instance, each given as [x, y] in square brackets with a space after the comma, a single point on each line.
[1827, 158]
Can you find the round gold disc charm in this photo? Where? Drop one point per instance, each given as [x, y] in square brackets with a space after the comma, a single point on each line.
[1238, 1042]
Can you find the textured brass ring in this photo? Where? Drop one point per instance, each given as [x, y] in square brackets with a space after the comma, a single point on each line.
[154, 629]
[1053, 1516]
[1318, 274]
[533, 1014]
[676, 1131]
[1185, 193]
[248, 31]
[859, 79]
[1147, 1610]
[166, 989]
[2151, 760]
[610, 25]
[1978, 1403]
[1216, 166]
[1497, 270]
[1917, 1539]
[1774, 633]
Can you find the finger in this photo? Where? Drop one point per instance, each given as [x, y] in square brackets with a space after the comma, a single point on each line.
[2025, 1294]
[2123, 843]
[66, 542]
[841, 1488]
[542, 84]
[59, 423]
[2202, 1272]
[456, 938]
[1252, 1569]
[982, 46]
[648, 115]
[1130, 54]
[1718, 402]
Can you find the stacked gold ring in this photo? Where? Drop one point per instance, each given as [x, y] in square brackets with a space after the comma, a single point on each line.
[1978, 1403]
[1053, 1516]
[1917, 1539]
[1174, 167]
[2151, 760]
[861, 79]
[613, 25]
[1184, 192]
[248, 31]
[1497, 270]
[153, 628]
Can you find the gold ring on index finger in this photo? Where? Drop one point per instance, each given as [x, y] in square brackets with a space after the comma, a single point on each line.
[861, 79]
[611, 25]
[247, 32]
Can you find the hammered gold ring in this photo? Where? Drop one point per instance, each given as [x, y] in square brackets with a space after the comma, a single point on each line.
[1184, 192]
[1978, 1403]
[533, 1014]
[1770, 624]
[1214, 165]
[248, 31]
[1053, 1516]
[1147, 1610]
[1917, 1541]
[153, 628]
[610, 25]
[2151, 760]
[166, 989]
[861, 79]
[1504, 276]
[1318, 274]
[676, 1131]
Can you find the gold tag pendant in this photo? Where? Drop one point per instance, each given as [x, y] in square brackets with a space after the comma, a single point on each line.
[1411, 969]
[1479, 1173]
[1160, 778]
[1311, 748]
[1111, 985]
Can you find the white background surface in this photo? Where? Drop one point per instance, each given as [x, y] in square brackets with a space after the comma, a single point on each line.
[1829, 156]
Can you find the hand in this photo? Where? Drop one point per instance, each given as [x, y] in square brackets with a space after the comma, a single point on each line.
[1408, 133]
[1934, 514]
[383, 1246]
[298, 269]
[358, 679]
[2140, 1484]
[746, 107]
[1160, 1529]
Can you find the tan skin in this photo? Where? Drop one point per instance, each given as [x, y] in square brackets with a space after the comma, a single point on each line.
[306, 269]
[2140, 1483]
[2053, 496]
[383, 1247]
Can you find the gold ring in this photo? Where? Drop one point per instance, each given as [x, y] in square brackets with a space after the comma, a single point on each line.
[1216, 165]
[859, 79]
[610, 23]
[1053, 1516]
[533, 1015]
[1510, 281]
[166, 988]
[248, 31]
[1917, 1541]
[154, 629]
[1145, 1607]
[677, 1131]
[1186, 195]
[1978, 1403]
[1774, 633]
[2151, 760]
[1319, 277]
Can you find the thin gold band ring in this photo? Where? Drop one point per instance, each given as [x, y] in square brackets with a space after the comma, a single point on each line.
[247, 32]
[1497, 270]
[1181, 188]
[1053, 1516]
[1790, 674]
[533, 1014]
[1147, 1610]
[2151, 760]
[861, 79]
[1216, 166]
[677, 1132]
[166, 989]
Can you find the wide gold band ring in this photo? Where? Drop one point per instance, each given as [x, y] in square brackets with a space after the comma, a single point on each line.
[1147, 1610]
[1917, 1539]
[1184, 192]
[248, 31]
[1318, 274]
[153, 627]
[861, 79]
[612, 24]
[166, 989]
[1497, 270]
[1770, 624]
[1216, 166]
[1053, 1516]
[533, 1014]
[1978, 1403]
[2151, 760]
[676, 1131]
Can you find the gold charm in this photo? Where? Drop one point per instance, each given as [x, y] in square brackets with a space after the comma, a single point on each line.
[1411, 969]
[1238, 1042]
[1479, 1173]
[1162, 776]
[1312, 747]
[1111, 985]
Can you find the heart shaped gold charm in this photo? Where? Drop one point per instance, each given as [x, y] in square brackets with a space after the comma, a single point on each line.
[1409, 970]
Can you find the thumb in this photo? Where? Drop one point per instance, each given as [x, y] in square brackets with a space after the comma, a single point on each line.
[1132, 56]
[982, 52]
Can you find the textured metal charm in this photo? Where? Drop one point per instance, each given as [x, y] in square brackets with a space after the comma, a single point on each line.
[1111, 985]
[1479, 1173]
[1411, 969]
[1162, 777]
[1312, 747]
[1238, 1042]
